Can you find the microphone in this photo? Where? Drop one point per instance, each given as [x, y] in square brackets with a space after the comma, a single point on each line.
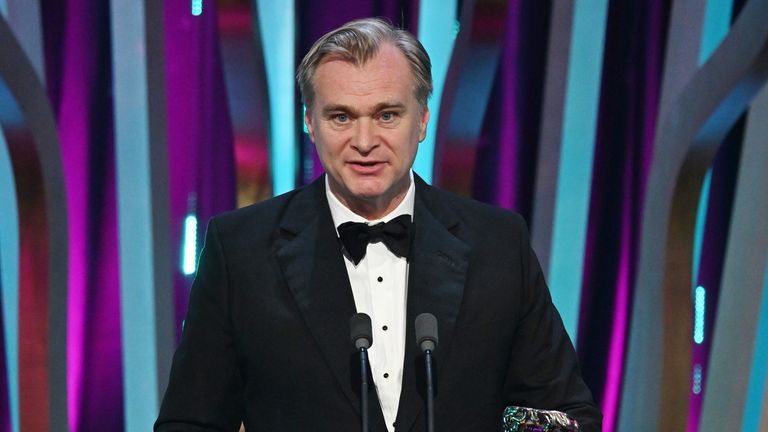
[426, 332]
[361, 333]
[426, 338]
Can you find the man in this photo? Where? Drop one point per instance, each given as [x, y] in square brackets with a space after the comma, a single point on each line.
[266, 339]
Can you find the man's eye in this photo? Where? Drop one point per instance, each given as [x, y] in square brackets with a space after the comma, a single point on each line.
[341, 118]
[387, 116]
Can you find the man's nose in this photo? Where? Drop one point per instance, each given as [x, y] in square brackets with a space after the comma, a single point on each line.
[365, 135]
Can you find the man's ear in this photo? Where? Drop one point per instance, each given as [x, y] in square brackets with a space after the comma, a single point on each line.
[308, 123]
[423, 121]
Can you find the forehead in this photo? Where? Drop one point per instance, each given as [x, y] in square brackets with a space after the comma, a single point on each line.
[386, 74]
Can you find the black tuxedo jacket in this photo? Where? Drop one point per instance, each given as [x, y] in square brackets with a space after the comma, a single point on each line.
[266, 339]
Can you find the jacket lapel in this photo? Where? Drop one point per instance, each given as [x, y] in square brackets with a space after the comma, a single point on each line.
[313, 266]
[437, 272]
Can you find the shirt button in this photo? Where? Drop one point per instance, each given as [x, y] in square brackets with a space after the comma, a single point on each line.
[385, 328]
[386, 375]
[380, 279]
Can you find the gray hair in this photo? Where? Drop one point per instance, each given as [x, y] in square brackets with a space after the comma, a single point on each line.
[357, 42]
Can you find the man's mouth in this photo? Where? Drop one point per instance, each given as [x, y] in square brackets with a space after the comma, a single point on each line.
[366, 167]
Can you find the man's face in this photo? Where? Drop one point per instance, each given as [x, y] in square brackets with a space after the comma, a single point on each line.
[367, 124]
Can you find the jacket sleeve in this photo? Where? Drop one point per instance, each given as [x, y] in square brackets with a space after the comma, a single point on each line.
[543, 372]
[205, 386]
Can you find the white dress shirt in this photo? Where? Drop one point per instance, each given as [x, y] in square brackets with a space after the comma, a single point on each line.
[380, 288]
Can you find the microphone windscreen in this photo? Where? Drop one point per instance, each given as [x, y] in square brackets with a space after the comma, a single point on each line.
[361, 331]
[426, 331]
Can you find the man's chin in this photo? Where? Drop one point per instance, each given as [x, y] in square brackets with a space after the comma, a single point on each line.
[369, 192]
[368, 195]
[367, 188]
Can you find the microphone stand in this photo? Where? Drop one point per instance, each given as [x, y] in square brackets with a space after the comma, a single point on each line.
[364, 389]
[426, 338]
[362, 336]
[430, 392]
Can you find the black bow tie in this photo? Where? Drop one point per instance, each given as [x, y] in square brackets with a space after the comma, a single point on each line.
[396, 235]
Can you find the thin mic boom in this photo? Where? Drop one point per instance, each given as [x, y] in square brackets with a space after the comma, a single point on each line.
[426, 338]
[361, 333]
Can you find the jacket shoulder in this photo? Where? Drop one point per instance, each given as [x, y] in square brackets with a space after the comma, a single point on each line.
[266, 216]
[475, 213]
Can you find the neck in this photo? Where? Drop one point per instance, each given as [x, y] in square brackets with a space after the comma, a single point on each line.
[372, 208]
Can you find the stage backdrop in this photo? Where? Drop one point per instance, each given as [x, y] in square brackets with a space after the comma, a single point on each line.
[630, 135]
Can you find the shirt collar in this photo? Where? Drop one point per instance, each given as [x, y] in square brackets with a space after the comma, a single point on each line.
[341, 213]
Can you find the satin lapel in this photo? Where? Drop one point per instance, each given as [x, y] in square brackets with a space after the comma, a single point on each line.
[437, 273]
[312, 263]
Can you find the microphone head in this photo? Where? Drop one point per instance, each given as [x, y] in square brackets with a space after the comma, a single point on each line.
[426, 332]
[361, 331]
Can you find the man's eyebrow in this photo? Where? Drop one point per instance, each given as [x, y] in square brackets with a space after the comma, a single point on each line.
[338, 108]
[332, 108]
[388, 105]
